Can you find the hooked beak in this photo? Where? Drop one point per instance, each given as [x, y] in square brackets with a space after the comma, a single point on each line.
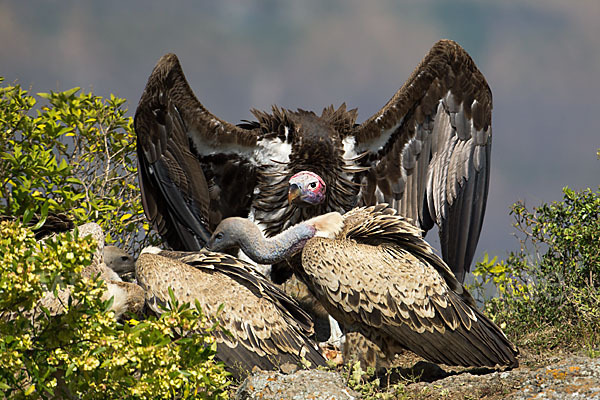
[294, 192]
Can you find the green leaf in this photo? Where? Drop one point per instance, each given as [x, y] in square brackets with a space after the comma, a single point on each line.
[109, 303]
[27, 215]
[172, 297]
[66, 130]
[70, 369]
[498, 268]
[71, 92]
[46, 311]
[125, 217]
[43, 216]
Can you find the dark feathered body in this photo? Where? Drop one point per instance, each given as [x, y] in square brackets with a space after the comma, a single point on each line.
[310, 142]
[53, 223]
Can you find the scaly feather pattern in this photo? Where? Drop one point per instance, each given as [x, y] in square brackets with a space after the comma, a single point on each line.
[267, 328]
[380, 278]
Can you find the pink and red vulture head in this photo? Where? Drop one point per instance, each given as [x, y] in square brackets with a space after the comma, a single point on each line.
[306, 189]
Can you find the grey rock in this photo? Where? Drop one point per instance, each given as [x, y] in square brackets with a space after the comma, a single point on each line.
[305, 384]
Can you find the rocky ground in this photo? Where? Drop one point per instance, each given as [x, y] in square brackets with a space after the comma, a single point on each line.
[554, 376]
[562, 377]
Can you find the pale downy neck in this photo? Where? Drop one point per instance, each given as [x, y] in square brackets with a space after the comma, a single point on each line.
[273, 250]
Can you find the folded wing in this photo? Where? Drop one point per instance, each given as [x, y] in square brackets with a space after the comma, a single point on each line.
[266, 328]
[380, 278]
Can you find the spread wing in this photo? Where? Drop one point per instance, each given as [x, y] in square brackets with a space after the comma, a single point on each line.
[429, 149]
[182, 195]
[397, 297]
[267, 328]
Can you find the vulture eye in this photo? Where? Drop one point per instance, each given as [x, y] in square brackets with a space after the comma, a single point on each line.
[313, 185]
[219, 236]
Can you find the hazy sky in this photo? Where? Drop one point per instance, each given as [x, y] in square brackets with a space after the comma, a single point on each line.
[541, 59]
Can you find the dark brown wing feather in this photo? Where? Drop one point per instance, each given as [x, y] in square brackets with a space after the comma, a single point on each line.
[53, 223]
[429, 151]
[175, 192]
[378, 280]
[268, 329]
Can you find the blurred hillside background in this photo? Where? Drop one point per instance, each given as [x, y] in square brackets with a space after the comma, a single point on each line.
[541, 59]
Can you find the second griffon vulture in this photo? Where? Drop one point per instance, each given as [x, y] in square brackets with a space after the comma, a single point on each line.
[426, 153]
[127, 297]
[373, 272]
[260, 326]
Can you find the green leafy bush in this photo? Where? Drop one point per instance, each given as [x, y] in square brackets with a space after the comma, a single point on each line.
[553, 281]
[84, 352]
[76, 154]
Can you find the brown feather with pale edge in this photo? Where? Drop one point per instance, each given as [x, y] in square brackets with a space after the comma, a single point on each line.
[268, 329]
[380, 278]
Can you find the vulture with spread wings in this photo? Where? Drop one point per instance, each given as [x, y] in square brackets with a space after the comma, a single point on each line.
[426, 153]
